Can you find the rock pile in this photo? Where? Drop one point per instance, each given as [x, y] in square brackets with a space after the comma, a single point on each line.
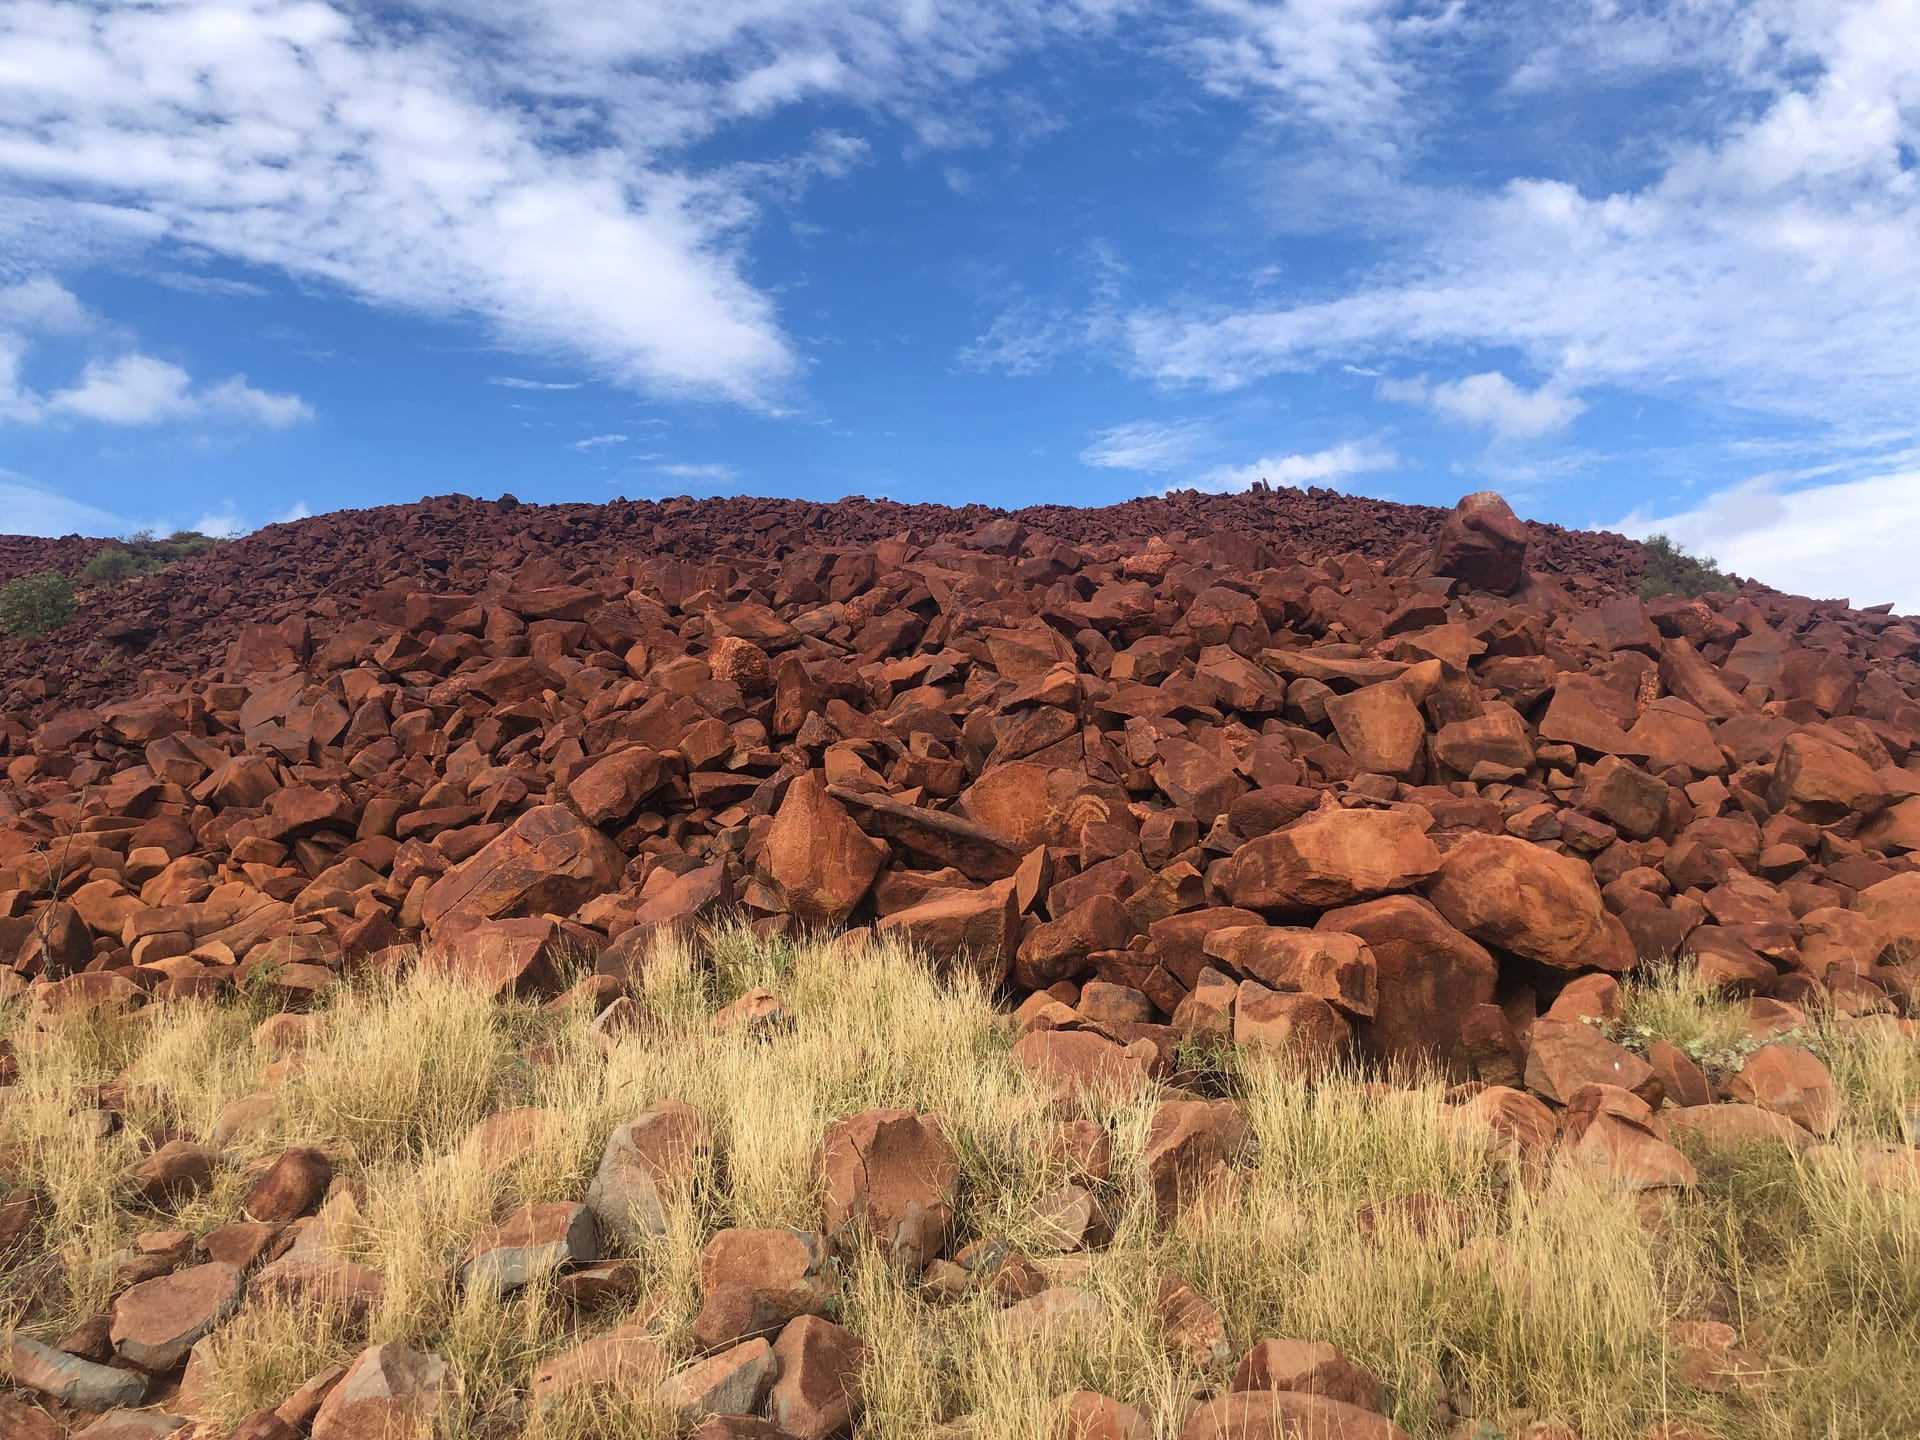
[1397, 791]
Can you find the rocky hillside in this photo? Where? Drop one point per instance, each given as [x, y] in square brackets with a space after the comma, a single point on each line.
[1286, 764]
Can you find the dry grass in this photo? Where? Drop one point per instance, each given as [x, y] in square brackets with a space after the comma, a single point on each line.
[1558, 1305]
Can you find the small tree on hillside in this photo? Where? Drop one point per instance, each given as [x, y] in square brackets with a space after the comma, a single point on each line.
[33, 605]
[1672, 571]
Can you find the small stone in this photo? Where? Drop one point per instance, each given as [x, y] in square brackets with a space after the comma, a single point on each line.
[533, 1242]
[734, 1382]
[389, 1390]
[295, 1183]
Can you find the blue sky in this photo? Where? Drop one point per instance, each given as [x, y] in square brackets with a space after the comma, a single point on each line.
[1633, 264]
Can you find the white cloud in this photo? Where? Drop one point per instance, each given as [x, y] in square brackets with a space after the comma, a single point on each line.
[710, 472]
[190, 284]
[141, 390]
[599, 442]
[1318, 468]
[1331, 62]
[1765, 251]
[1492, 401]
[515, 382]
[30, 509]
[1150, 445]
[1849, 540]
[518, 166]
[41, 305]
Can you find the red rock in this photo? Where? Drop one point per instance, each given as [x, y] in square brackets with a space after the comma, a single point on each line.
[1482, 543]
[532, 1243]
[1285, 1415]
[892, 1178]
[1633, 800]
[1789, 1081]
[546, 862]
[1610, 1132]
[1565, 1055]
[1521, 898]
[1821, 783]
[1381, 728]
[1497, 737]
[1088, 1415]
[1191, 1329]
[1190, 1148]
[1070, 1063]
[976, 929]
[157, 1322]
[734, 1382]
[1336, 966]
[177, 1170]
[388, 1390]
[609, 791]
[1304, 1028]
[1429, 978]
[649, 1166]
[610, 1365]
[821, 861]
[1309, 1367]
[752, 1282]
[818, 1389]
[295, 1183]
[1333, 857]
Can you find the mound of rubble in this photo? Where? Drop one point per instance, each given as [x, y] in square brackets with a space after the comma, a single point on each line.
[1292, 767]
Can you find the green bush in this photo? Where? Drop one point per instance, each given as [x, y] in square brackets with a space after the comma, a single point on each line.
[35, 604]
[1672, 571]
[112, 566]
[142, 554]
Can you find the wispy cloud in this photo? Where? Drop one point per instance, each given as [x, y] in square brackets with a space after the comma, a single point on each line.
[599, 442]
[515, 382]
[711, 472]
[1322, 467]
[1149, 445]
[191, 284]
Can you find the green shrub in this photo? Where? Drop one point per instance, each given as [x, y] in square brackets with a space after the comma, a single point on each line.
[35, 604]
[112, 566]
[1672, 571]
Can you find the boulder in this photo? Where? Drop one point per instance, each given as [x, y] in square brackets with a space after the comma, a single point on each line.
[388, 1390]
[649, 1166]
[157, 1322]
[822, 863]
[891, 1177]
[1520, 898]
[548, 861]
[534, 1242]
[1482, 543]
[1332, 857]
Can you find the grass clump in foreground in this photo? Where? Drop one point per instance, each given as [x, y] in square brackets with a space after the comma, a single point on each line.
[1556, 1302]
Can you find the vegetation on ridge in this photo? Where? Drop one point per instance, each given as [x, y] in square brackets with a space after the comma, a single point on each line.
[1672, 571]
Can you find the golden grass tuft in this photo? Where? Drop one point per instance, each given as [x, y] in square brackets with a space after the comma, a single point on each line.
[1556, 1303]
